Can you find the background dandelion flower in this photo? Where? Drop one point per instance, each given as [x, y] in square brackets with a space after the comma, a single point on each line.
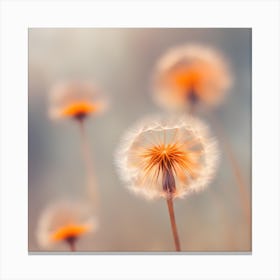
[190, 75]
[160, 158]
[75, 99]
[79, 100]
[65, 221]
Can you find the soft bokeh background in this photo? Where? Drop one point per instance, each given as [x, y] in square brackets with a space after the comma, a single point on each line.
[121, 62]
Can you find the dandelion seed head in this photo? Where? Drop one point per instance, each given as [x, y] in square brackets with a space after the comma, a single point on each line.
[159, 158]
[191, 75]
[64, 221]
[75, 99]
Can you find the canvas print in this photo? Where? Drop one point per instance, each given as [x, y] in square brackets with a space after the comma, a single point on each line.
[139, 140]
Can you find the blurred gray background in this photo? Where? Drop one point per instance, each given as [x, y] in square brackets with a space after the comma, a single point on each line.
[121, 62]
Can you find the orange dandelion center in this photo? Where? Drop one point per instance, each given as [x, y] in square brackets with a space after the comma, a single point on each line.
[184, 78]
[79, 109]
[171, 160]
[69, 231]
[188, 81]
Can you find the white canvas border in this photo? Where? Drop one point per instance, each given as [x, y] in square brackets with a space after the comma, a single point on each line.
[261, 16]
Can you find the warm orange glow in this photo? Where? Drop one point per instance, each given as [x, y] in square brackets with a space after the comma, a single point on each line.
[81, 108]
[190, 76]
[76, 99]
[172, 159]
[187, 80]
[69, 231]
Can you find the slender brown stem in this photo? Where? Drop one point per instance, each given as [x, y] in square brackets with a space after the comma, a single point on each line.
[169, 201]
[219, 202]
[192, 109]
[91, 182]
[243, 192]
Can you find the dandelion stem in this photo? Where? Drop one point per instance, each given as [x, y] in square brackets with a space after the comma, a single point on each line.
[72, 245]
[243, 192]
[169, 201]
[91, 182]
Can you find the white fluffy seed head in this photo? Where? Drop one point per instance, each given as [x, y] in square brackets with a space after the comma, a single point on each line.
[155, 145]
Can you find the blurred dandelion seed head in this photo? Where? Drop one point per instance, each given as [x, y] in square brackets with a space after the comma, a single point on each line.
[76, 99]
[159, 157]
[63, 221]
[191, 75]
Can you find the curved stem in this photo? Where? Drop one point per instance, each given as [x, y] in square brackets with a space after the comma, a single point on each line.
[243, 192]
[169, 201]
[219, 202]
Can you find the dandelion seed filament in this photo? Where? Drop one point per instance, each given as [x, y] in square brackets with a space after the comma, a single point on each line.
[169, 160]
